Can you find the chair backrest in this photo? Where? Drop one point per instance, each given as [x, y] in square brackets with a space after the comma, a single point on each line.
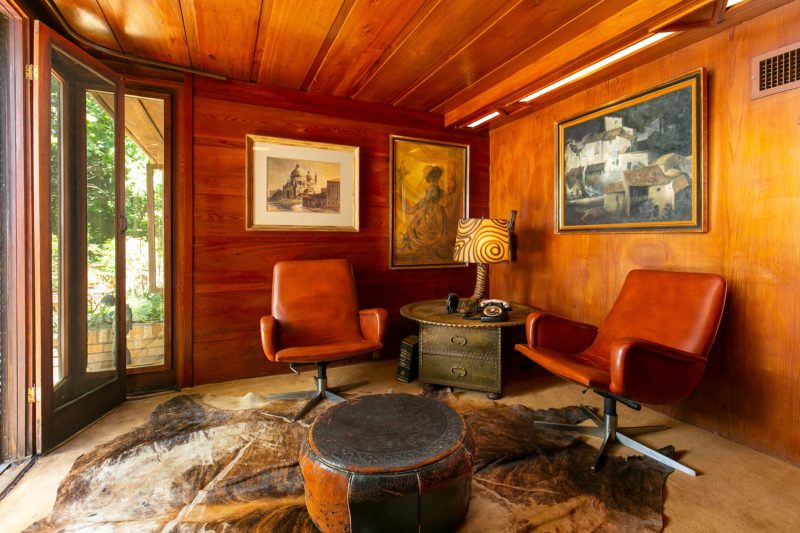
[677, 309]
[315, 302]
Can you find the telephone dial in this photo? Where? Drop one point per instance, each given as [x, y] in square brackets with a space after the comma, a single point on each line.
[493, 310]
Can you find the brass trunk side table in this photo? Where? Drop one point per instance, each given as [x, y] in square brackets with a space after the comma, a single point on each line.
[458, 352]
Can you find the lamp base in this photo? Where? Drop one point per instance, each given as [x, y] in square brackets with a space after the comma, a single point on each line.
[468, 306]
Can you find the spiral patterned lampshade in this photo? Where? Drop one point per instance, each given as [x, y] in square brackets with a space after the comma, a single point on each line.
[481, 240]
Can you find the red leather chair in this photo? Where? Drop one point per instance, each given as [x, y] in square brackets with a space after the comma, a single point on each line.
[652, 348]
[315, 320]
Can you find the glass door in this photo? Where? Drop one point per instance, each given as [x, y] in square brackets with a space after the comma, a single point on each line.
[148, 162]
[81, 349]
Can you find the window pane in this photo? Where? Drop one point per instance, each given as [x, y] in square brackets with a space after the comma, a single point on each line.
[100, 231]
[144, 241]
[56, 166]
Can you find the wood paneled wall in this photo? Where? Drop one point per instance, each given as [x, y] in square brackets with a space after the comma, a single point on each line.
[751, 390]
[233, 268]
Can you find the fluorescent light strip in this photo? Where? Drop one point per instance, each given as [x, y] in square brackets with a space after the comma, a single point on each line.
[481, 120]
[597, 66]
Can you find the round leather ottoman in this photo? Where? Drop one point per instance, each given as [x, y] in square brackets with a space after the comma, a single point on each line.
[388, 462]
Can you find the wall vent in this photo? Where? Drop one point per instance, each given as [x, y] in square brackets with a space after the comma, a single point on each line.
[776, 71]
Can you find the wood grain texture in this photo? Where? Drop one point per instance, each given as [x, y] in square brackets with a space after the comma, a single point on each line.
[232, 271]
[134, 24]
[222, 36]
[524, 26]
[752, 382]
[595, 33]
[458, 58]
[289, 45]
[87, 18]
[360, 42]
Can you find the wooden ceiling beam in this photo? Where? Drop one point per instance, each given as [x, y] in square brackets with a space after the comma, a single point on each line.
[512, 110]
[525, 72]
[333, 33]
[425, 55]
[412, 29]
[371, 26]
[516, 29]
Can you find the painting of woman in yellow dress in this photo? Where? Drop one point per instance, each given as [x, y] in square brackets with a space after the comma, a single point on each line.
[429, 185]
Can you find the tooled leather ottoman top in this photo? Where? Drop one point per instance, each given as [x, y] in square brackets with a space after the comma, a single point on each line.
[386, 433]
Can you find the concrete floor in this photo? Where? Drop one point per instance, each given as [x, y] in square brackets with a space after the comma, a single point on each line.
[739, 490]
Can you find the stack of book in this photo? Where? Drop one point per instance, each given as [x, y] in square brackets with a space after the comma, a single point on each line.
[408, 365]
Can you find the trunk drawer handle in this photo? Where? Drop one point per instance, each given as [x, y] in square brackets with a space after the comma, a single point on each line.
[458, 371]
[459, 341]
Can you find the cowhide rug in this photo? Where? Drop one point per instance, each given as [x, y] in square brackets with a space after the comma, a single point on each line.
[208, 463]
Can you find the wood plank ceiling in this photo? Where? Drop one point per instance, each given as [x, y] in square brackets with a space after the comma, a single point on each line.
[459, 58]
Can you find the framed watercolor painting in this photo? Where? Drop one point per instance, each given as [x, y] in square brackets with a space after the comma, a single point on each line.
[637, 164]
[301, 185]
[429, 191]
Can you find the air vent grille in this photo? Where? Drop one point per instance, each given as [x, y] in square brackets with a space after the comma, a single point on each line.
[776, 71]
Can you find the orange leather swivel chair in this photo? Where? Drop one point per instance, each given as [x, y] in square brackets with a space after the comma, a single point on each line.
[652, 348]
[315, 320]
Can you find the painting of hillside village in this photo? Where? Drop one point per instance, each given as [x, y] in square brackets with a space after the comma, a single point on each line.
[632, 166]
[303, 186]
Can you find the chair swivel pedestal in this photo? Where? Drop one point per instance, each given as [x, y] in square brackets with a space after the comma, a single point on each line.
[606, 428]
[322, 392]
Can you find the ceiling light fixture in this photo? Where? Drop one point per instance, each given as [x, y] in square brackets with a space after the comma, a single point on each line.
[732, 3]
[481, 120]
[597, 66]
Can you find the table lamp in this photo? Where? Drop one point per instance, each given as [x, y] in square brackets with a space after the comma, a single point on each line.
[482, 241]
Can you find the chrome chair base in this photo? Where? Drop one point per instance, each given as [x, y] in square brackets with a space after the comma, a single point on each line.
[606, 429]
[322, 392]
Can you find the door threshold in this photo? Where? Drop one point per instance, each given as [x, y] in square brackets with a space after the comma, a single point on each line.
[12, 472]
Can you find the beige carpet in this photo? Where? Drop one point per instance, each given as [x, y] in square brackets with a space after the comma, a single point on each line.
[214, 463]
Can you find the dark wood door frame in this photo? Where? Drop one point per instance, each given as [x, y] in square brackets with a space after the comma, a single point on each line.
[55, 425]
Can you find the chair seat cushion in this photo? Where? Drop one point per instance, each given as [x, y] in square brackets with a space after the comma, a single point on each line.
[326, 352]
[583, 368]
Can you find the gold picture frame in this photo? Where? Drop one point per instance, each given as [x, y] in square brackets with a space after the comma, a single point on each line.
[635, 164]
[429, 194]
[295, 185]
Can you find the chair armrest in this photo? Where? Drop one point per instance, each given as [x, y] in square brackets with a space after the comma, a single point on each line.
[269, 327]
[373, 323]
[650, 372]
[558, 333]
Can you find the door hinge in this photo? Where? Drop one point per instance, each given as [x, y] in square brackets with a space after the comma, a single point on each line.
[31, 72]
[34, 394]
